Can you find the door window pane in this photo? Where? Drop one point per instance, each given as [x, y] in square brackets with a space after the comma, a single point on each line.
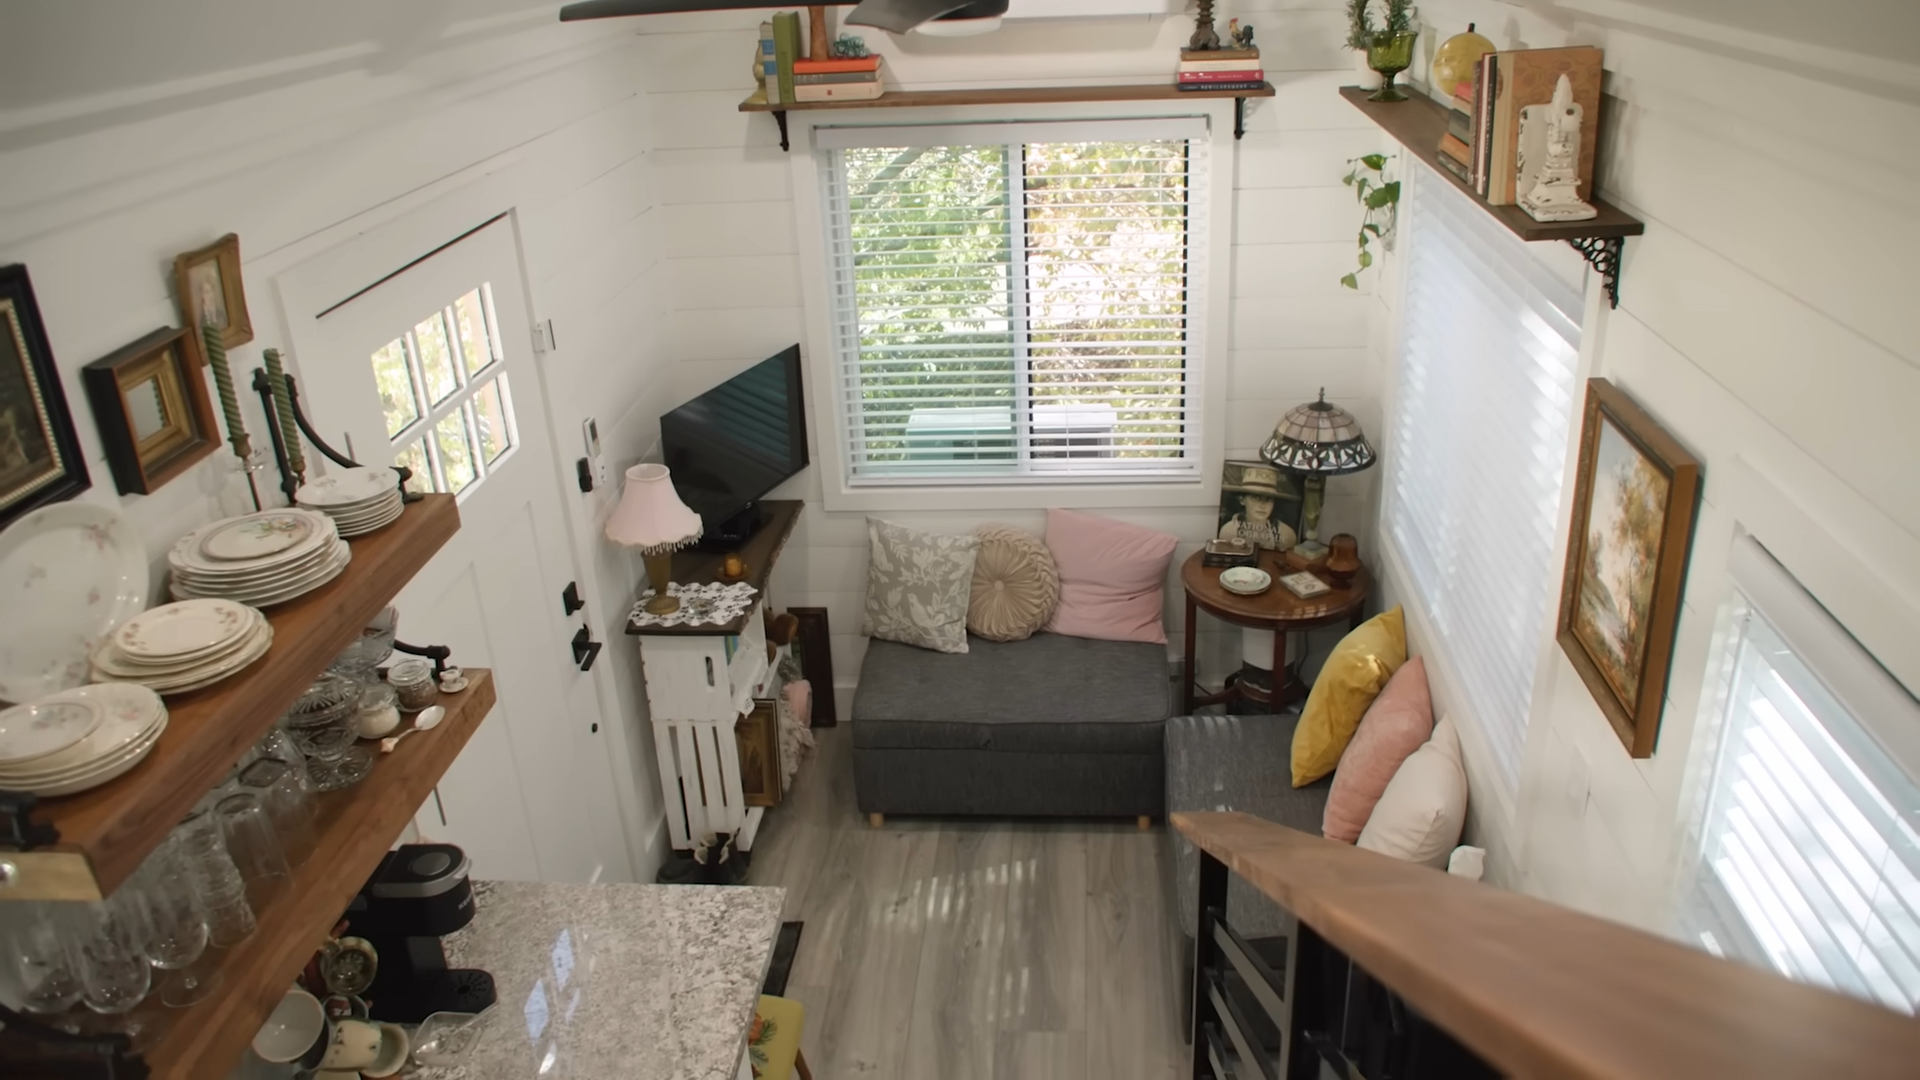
[456, 456]
[414, 456]
[396, 386]
[490, 416]
[436, 358]
[470, 323]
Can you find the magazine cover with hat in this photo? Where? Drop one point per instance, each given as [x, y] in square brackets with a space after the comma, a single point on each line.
[1260, 504]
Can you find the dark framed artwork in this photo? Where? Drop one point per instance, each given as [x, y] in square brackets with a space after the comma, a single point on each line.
[757, 735]
[815, 644]
[40, 458]
[210, 290]
[151, 404]
[1635, 497]
[1258, 503]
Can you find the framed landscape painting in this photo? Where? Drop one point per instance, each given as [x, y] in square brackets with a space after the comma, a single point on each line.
[39, 454]
[1634, 500]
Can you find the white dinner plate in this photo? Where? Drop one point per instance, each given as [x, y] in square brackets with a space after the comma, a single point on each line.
[70, 574]
[186, 630]
[269, 593]
[119, 768]
[259, 575]
[126, 714]
[108, 659]
[256, 536]
[187, 553]
[347, 487]
[195, 679]
[32, 731]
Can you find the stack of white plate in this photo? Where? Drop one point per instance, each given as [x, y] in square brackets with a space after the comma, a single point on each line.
[78, 739]
[359, 500]
[183, 646]
[259, 559]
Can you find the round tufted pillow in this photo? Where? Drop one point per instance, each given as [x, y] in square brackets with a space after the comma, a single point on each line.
[1015, 584]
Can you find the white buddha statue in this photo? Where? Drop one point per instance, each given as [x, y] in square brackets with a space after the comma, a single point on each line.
[1555, 191]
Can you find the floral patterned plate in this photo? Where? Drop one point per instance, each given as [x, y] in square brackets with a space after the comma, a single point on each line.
[34, 730]
[69, 575]
[184, 630]
[187, 553]
[366, 484]
[256, 536]
[128, 716]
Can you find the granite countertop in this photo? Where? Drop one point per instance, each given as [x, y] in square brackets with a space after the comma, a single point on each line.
[615, 982]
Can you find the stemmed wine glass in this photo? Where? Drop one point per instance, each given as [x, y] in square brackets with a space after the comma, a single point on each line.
[115, 974]
[45, 958]
[179, 925]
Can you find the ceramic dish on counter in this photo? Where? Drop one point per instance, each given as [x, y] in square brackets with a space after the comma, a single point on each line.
[127, 723]
[70, 574]
[184, 646]
[259, 559]
[1245, 580]
[360, 500]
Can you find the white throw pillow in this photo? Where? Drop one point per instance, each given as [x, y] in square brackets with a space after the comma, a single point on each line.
[1420, 815]
[917, 586]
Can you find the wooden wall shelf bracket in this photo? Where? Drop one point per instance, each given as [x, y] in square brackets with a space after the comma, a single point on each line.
[1038, 95]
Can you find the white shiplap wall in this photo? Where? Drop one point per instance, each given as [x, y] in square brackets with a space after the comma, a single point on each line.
[1763, 320]
[354, 123]
[726, 196]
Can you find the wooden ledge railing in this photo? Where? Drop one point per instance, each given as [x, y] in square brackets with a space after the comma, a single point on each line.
[1540, 990]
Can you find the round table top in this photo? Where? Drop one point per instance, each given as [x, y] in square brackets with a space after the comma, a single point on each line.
[1277, 608]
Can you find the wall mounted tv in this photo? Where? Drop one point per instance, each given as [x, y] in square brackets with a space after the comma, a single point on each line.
[736, 442]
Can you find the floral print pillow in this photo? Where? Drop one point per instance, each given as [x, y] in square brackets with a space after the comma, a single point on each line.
[918, 585]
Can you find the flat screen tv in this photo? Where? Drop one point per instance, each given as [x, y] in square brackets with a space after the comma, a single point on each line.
[736, 442]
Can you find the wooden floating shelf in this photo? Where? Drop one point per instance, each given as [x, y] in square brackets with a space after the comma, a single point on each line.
[1419, 122]
[106, 833]
[1026, 95]
[354, 829]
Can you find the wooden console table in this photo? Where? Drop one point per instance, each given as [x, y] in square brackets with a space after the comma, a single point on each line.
[1277, 610]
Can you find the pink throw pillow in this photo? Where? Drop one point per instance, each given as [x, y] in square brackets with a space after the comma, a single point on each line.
[1398, 722]
[1111, 577]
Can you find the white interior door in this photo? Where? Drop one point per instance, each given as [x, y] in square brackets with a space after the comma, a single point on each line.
[433, 368]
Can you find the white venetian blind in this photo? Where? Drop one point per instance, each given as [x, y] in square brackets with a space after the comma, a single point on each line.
[1809, 850]
[1017, 301]
[1490, 345]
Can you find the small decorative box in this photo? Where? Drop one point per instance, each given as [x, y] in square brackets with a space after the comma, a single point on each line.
[1225, 553]
[1305, 585]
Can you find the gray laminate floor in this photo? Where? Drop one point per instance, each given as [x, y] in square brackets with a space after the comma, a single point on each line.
[970, 949]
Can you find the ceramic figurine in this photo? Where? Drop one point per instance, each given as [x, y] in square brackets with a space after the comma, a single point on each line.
[1550, 158]
[848, 47]
[1240, 36]
[1204, 36]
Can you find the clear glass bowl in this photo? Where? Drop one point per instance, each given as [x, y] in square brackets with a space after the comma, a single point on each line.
[371, 649]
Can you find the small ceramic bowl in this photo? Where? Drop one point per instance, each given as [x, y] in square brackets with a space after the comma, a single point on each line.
[394, 1047]
[1245, 580]
[292, 1028]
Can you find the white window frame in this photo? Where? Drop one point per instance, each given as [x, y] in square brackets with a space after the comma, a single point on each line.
[1207, 367]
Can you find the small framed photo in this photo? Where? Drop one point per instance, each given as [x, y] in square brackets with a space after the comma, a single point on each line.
[151, 403]
[211, 291]
[40, 458]
[1635, 495]
[1258, 504]
[757, 737]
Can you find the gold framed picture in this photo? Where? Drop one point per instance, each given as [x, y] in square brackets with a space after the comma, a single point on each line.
[151, 403]
[210, 290]
[757, 735]
[1634, 500]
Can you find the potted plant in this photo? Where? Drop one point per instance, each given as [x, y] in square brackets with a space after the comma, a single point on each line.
[1390, 49]
[1360, 31]
[1379, 200]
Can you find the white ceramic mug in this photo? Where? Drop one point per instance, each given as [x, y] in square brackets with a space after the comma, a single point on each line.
[356, 1045]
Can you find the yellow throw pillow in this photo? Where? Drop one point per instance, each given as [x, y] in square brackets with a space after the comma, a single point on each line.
[1353, 676]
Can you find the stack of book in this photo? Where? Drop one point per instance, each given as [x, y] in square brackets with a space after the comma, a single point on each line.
[1482, 143]
[1221, 69]
[790, 78]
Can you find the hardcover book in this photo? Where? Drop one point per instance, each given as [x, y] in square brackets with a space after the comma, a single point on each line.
[1528, 77]
[828, 67]
[1247, 64]
[1242, 75]
[860, 91]
[786, 44]
[835, 77]
[1220, 86]
[1219, 54]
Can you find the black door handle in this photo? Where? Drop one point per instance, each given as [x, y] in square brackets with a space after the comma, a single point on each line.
[570, 601]
[585, 651]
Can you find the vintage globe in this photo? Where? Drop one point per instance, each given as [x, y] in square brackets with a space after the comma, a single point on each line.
[1456, 59]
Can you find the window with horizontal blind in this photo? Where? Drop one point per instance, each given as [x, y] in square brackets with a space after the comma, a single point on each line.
[1484, 400]
[1808, 853]
[1017, 301]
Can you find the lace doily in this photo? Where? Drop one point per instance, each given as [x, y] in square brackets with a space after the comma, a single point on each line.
[713, 603]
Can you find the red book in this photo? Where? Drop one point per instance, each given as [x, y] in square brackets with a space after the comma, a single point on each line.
[824, 67]
[1250, 75]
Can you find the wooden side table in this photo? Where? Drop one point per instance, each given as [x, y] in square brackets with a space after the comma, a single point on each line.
[1277, 610]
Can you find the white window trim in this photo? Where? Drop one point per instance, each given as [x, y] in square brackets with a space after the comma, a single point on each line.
[1207, 374]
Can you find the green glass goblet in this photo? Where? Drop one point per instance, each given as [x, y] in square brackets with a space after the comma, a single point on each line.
[1390, 54]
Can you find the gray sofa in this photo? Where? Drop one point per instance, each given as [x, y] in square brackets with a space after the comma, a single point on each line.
[1231, 763]
[1051, 726]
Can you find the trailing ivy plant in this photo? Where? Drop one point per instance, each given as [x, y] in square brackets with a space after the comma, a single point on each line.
[1380, 198]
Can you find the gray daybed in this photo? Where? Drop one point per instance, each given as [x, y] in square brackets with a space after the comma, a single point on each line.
[1051, 726]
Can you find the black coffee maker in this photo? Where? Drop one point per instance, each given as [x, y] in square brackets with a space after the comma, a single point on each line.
[419, 893]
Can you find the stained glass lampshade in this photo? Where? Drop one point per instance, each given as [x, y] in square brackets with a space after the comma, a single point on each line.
[1317, 440]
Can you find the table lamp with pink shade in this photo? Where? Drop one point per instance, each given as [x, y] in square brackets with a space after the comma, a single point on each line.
[652, 518]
